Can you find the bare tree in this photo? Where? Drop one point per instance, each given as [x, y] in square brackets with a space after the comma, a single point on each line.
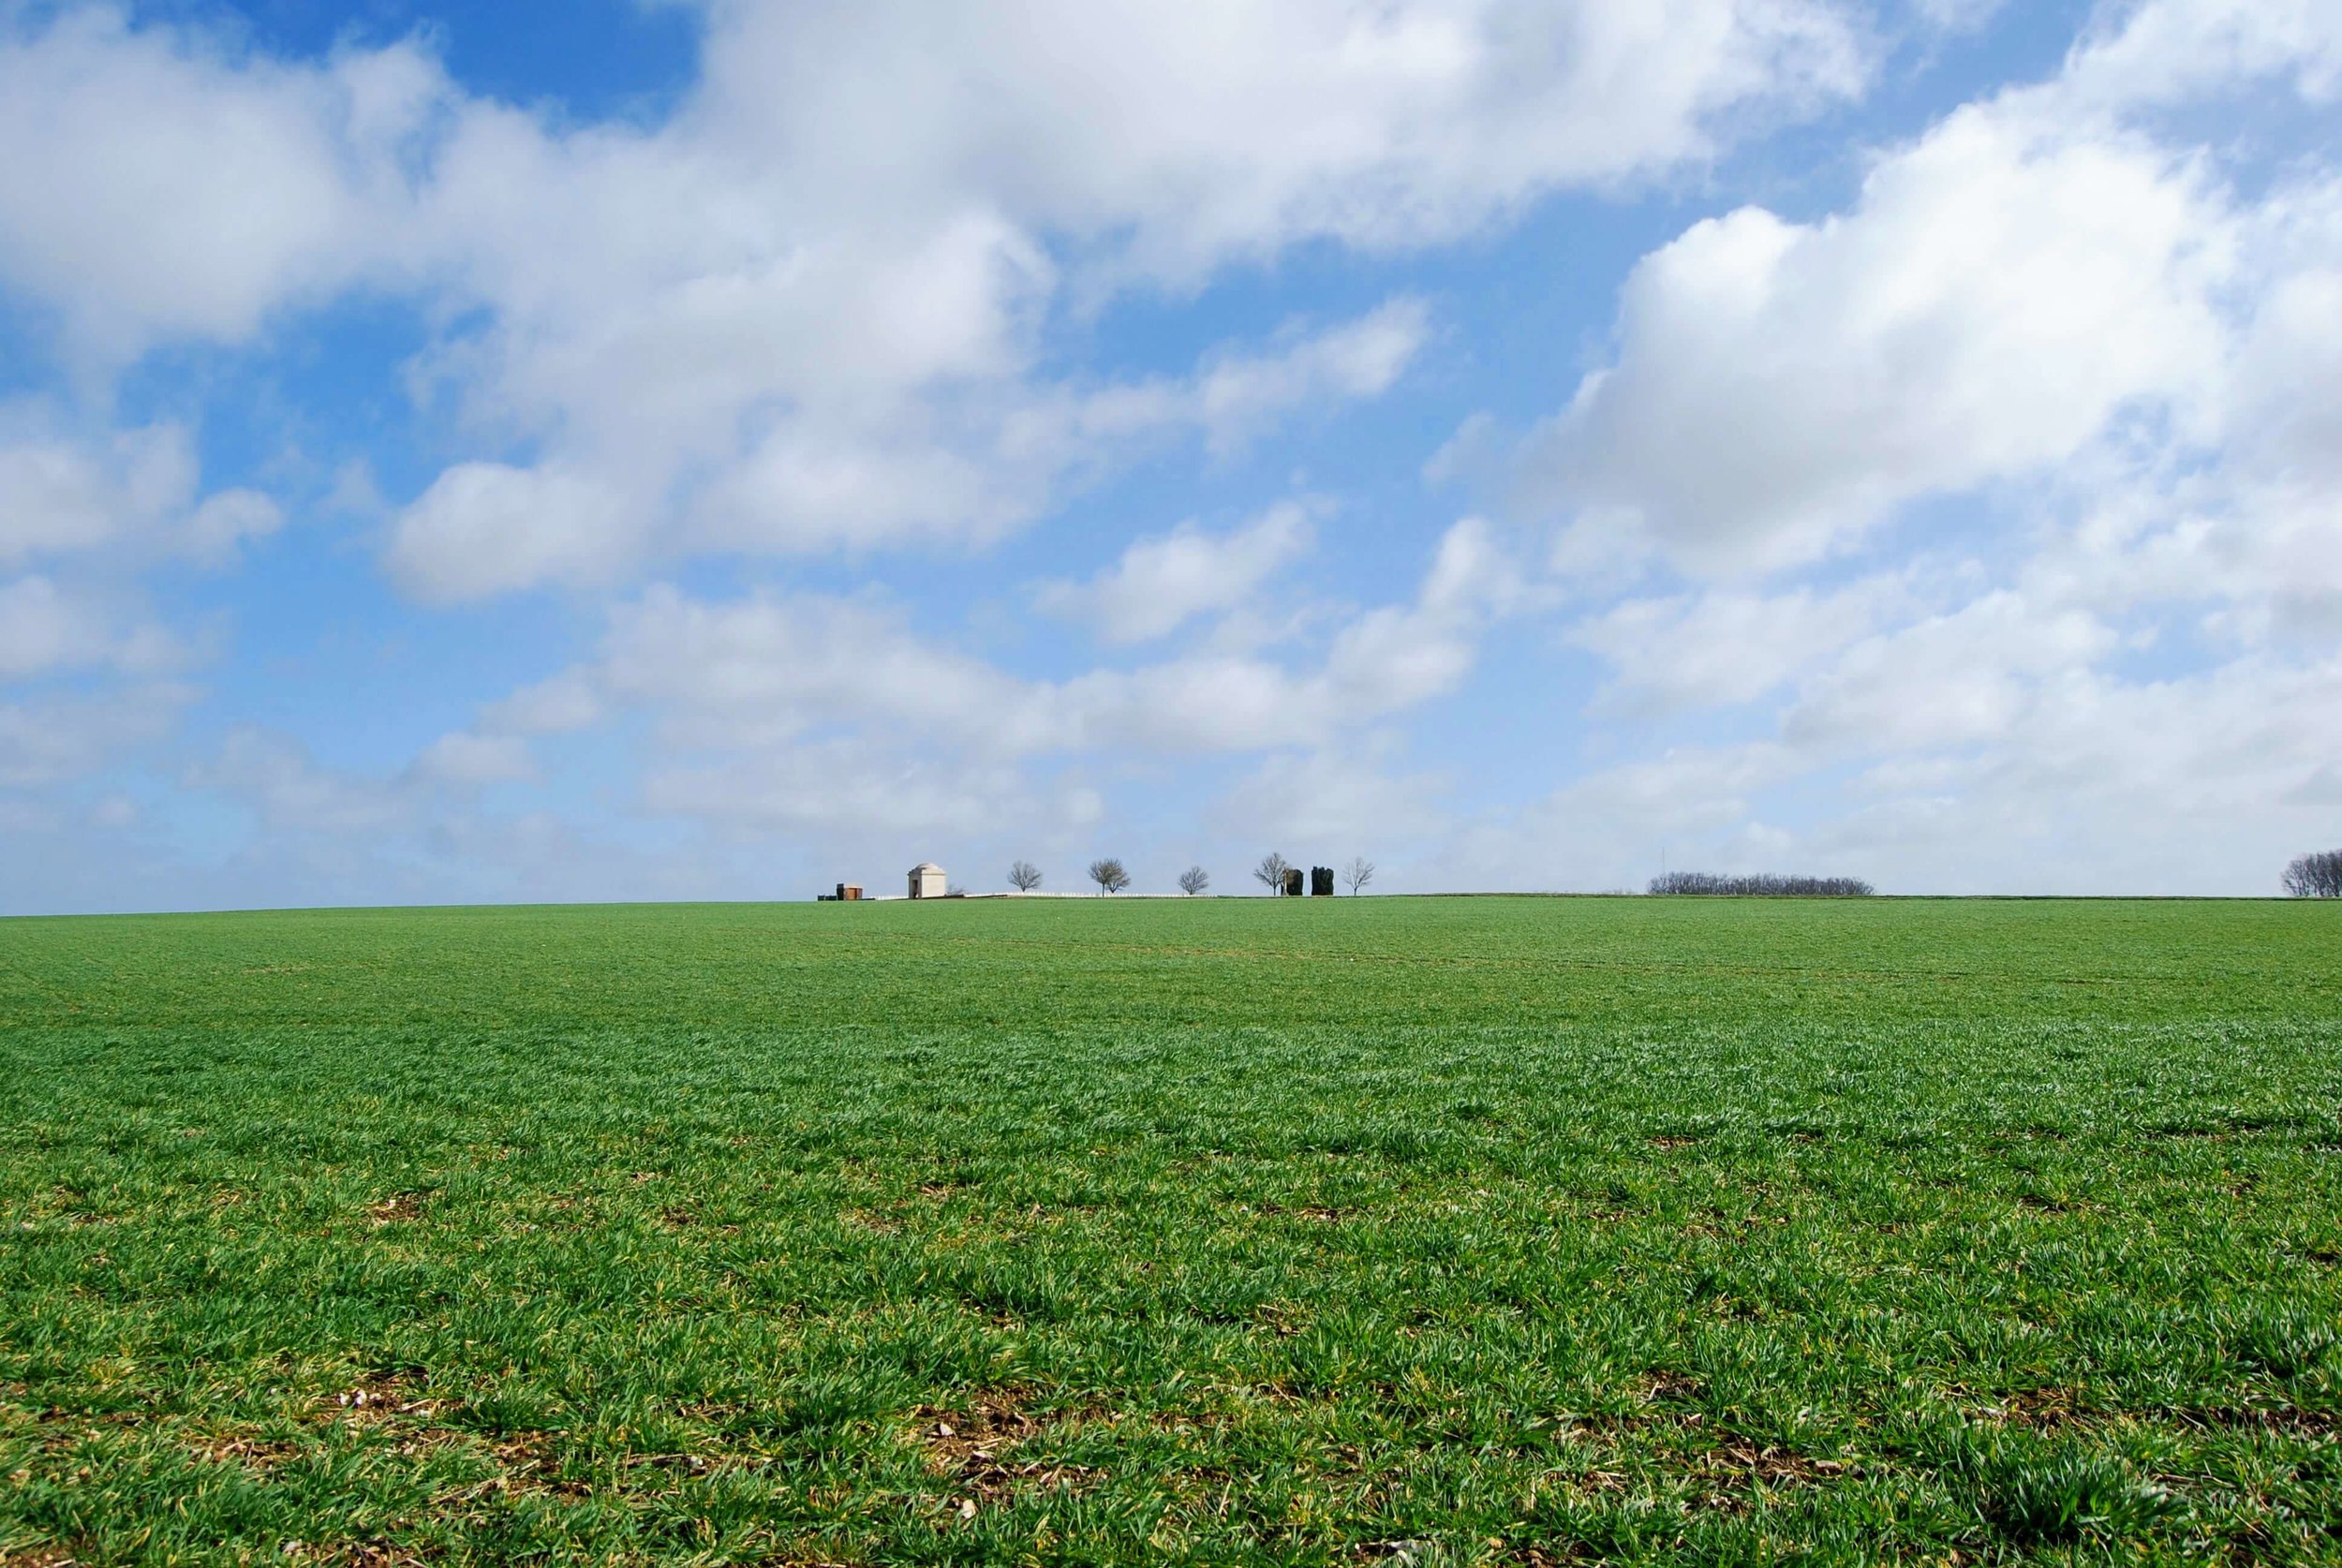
[1271, 871]
[1193, 880]
[1024, 876]
[2317, 876]
[1109, 876]
[1359, 872]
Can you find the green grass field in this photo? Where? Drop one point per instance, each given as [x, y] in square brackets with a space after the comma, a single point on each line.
[1507, 1230]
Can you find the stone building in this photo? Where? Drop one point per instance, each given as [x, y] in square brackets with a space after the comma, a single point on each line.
[926, 880]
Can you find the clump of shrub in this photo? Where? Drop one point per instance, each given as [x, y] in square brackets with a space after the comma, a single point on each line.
[2033, 1490]
[2285, 1342]
[2061, 1497]
[1764, 884]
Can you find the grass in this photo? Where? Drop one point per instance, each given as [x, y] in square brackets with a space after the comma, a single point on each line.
[1504, 1231]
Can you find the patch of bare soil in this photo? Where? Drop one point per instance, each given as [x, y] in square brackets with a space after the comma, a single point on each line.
[2038, 1410]
[1660, 1386]
[399, 1208]
[1430, 1554]
[1728, 1475]
[256, 1454]
[1557, 1555]
[378, 1396]
[2270, 1418]
[529, 1462]
[352, 1554]
[42, 1556]
[976, 1447]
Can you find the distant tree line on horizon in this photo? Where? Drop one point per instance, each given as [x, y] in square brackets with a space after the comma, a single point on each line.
[2317, 876]
[1764, 884]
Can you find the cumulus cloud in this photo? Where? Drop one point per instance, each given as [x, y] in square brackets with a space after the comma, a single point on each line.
[2005, 287]
[465, 759]
[1236, 396]
[2058, 309]
[1161, 582]
[810, 481]
[759, 701]
[159, 185]
[275, 774]
[483, 527]
[800, 313]
[134, 493]
[1724, 647]
[1947, 680]
[2172, 51]
[1361, 795]
[45, 628]
[58, 736]
[2058, 342]
[1614, 827]
[1233, 127]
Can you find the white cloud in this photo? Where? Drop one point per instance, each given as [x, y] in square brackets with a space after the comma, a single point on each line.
[2048, 302]
[1161, 582]
[767, 707]
[2037, 276]
[1957, 16]
[860, 480]
[225, 519]
[48, 739]
[1340, 800]
[45, 628]
[1179, 138]
[292, 793]
[156, 185]
[1238, 395]
[1947, 680]
[1617, 826]
[2205, 783]
[486, 527]
[134, 493]
[858, 785]
[564, 702]
[1721, 647]
[2005, 289]
[2171, 50]
[465, 759]
[800, 316]
[801, 313]
[41, 629]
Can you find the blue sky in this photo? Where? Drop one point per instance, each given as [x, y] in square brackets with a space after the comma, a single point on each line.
[632, 449]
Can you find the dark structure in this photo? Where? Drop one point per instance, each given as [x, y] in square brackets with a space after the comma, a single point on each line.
[1321, 881]
[1293, 881]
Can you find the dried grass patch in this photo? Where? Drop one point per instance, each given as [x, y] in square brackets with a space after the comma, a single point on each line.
[399, 1208]
[975, 1446]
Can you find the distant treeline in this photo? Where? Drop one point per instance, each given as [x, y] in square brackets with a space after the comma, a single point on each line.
[1763, 885]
